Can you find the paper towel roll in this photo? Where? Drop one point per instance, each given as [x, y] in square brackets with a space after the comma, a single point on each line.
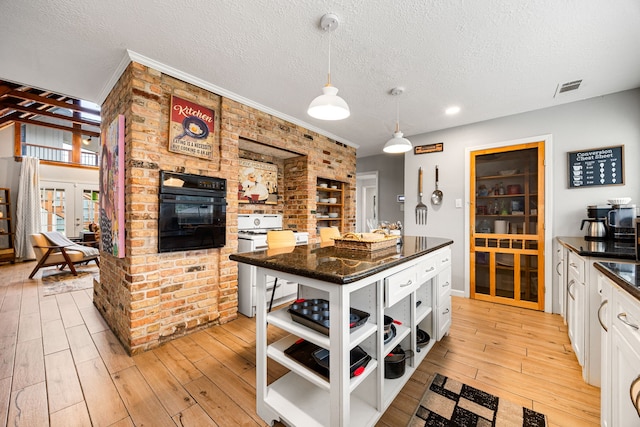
[500, 226]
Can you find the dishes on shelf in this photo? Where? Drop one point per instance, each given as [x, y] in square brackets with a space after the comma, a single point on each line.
[325, 200]
[323, 185]
[333, 200]
[508, 172]
[333, 214]
[514, 189]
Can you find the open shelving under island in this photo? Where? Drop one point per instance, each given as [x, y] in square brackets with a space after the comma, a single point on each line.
[409, 283]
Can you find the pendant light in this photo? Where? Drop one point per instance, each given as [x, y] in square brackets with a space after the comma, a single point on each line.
[329, 106]
[397, 144]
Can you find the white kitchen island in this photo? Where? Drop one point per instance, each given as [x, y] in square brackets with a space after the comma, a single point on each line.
[410, 283]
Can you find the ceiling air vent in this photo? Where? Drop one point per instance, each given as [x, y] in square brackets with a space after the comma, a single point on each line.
[566, 87]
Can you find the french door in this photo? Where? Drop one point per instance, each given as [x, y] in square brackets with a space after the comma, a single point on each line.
[68, 207]
[507, 229]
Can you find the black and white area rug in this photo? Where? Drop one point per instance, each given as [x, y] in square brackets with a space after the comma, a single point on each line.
[448, 402]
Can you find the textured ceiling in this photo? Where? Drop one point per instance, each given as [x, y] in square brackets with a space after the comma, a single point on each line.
[491, 57]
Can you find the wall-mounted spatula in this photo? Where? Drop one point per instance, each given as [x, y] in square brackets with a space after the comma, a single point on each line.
[436, 196]
[421, 208]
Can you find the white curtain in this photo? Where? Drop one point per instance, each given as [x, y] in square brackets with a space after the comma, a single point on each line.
[28, 207]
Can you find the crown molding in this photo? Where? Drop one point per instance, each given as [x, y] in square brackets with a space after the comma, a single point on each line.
[132, 56]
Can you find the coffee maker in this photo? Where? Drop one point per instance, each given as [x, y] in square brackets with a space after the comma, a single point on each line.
[596, 222]
[620, 222]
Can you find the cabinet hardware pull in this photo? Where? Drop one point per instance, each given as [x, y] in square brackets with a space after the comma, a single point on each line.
[445, 260]
[573, 264]
[446, 310]
[635, 399]
[431, 269]
[445, 284]
[558, 265]
[406, 284]
[605, 302]
[623, 318]
[571, 283]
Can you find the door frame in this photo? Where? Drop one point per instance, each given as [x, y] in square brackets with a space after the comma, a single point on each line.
[548, 222]
[361, 202]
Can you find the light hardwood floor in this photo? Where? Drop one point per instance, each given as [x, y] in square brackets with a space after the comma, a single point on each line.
[60, 365]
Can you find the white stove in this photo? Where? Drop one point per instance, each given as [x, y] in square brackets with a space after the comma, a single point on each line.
[252, 236]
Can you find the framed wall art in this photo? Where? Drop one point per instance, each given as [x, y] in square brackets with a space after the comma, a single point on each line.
[257, 182]
[191, 129]
[112, 189]
[596, 166]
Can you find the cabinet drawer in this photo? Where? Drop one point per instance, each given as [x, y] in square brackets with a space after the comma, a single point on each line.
[399, 285]
[576, 265]
[427, 268]
[444, 316]
[626, 317]
[444, 258]
[444, 284]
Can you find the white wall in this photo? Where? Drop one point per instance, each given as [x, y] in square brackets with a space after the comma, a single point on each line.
[390, 183]
[597, 122]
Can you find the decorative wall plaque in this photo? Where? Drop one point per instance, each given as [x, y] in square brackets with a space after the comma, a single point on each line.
[598, 166]
[257, 182]
[191, 129]
[430, 148]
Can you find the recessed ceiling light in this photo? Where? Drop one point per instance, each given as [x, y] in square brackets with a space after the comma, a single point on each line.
[452, 110]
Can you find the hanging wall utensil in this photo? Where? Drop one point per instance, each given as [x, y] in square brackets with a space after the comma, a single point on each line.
[436, 196]
[421, 208]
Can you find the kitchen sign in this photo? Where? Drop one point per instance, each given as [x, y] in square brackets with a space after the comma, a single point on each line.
[191, 129]
[600, 166]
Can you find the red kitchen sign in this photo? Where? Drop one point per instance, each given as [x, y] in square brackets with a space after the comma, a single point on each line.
[191, 129]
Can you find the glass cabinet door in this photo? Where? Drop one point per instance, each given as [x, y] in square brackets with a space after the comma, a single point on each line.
[507, 243]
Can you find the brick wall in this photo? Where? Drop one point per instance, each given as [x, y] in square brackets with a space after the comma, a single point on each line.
[147, 297]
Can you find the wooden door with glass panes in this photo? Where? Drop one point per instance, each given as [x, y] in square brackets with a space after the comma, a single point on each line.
[507, 229]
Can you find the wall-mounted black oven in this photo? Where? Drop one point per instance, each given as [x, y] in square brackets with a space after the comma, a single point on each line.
[193, 210]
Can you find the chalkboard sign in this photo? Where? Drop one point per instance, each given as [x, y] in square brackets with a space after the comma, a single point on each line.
[599, 166]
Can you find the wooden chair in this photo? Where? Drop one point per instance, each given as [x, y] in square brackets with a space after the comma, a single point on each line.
[327, 234]
[55, 249]
[283, 239]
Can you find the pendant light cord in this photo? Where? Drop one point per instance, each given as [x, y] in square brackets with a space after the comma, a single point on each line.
[329, 69]
[397, 115]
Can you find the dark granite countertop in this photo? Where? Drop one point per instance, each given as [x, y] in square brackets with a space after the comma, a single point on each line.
[602, 249]
[340, 266]
[627, 276]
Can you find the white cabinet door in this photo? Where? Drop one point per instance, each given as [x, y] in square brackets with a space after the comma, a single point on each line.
[625, 358]
[605, 289]
[444, 302]
[625, 368]
[576, 316]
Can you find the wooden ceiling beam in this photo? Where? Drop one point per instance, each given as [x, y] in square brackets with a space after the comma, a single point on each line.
[45, 113]
[51, 101]
[51, 125]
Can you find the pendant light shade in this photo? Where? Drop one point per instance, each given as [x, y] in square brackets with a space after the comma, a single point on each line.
[329, 106]
[397, 144]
